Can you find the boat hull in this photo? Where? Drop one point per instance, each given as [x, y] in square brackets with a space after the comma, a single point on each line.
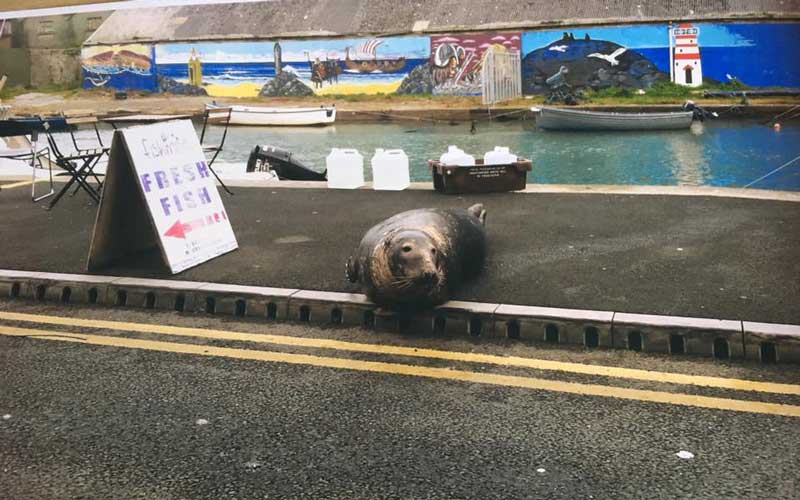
[572, 119]
[255, 115]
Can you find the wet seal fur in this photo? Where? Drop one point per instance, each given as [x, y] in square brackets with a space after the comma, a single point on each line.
[419, 257]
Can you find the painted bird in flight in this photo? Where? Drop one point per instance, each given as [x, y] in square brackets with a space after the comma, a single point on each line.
[610, 58]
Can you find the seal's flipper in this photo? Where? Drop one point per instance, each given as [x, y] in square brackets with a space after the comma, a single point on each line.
[351, 269]
[478, 211]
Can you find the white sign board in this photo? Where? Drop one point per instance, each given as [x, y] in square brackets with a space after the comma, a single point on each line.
[160, 190]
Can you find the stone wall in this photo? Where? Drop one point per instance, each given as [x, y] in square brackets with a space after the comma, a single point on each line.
[632, 57]
[61, 67]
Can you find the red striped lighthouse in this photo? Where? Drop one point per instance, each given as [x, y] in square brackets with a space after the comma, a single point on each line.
[686, 69]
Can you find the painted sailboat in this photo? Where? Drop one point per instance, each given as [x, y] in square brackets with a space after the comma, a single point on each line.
[373, 65]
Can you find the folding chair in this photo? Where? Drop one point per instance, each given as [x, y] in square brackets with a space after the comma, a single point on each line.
[33, 154]
[75, 119]
[222, 116]
[79, 166]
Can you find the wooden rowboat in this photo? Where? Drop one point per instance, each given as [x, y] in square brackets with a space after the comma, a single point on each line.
[574, 119]
[258, 115]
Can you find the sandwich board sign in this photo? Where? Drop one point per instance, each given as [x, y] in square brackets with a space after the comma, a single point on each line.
[160, 192]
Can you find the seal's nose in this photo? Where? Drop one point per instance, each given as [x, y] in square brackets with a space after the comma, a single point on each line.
[430, 278]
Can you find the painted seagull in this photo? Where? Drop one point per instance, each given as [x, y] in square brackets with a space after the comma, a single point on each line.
[559, 48]
[611, 58]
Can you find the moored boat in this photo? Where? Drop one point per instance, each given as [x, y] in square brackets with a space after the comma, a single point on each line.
[575, 119]
[261, 115]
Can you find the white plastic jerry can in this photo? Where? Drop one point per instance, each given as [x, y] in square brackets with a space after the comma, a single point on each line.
[390, 170]
[499, 156]
[345, 169]
[456, 157]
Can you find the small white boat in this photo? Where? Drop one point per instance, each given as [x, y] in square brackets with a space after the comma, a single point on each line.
[575, 119]
[258, 115]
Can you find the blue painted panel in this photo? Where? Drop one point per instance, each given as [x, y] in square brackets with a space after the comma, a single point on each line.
[120, 67]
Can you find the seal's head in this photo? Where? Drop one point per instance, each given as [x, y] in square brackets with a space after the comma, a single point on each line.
[415, 270]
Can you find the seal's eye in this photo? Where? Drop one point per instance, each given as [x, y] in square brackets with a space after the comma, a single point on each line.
[433, 251]
[406, 248]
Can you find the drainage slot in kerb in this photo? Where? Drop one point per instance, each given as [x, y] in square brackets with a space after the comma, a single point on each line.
[634, 340]
[439, 324]
[769, 352]
[551, 333]
[677, 344]
[591, 336]
[272, 310]
[150, 300]
[336, 316]
[721, 349]
[512, 329]
[39, 292]
[475, 326]
[241, 308]
[92, 295]
[369, 319]
[305, 313]
[122, 298]
[211, 305]
[180, 302]
[14, 290]
[66, 293]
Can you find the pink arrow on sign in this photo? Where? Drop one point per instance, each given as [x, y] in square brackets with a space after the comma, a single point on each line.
[178, 230]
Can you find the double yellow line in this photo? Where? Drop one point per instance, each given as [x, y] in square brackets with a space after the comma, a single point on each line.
[410, 369]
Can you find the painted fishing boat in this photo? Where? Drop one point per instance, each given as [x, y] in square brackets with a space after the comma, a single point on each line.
[373, 64]
[283, 163]
[259, 115]
[575, 119]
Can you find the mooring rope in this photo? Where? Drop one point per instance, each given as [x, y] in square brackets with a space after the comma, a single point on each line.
[784, 113]
[770, 173]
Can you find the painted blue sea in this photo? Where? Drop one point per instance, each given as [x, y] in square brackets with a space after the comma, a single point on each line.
[122, 80]
[235, 73]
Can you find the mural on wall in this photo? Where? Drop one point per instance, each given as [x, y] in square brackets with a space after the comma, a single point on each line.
[118, 67]
[637, 56]
[456, 60]
[294, 68]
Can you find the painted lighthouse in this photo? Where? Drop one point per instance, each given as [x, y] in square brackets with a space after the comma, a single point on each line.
[686, 67]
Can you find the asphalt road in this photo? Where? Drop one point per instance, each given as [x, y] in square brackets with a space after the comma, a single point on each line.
[676, 255]
[83, 417]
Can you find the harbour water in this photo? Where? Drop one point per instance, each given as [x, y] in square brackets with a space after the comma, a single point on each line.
[720, 153]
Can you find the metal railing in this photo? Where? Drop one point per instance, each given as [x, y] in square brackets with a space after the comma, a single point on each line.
[501, 77]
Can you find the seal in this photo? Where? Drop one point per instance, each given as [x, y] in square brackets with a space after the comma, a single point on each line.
[419, 257]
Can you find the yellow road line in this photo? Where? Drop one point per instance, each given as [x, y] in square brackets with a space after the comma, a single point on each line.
[510, 361]
[415, 371]
[20, 184]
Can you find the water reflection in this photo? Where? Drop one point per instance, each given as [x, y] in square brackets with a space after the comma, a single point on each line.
[689, 167]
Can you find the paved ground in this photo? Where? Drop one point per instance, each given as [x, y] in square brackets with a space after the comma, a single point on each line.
[92, 421]
[691, 256]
